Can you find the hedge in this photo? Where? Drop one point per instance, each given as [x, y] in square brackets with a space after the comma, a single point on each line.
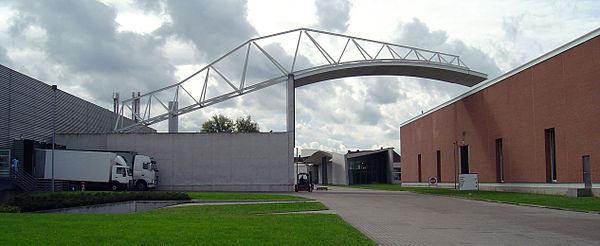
[44, 201]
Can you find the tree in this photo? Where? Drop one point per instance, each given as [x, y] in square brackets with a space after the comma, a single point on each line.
[246, 125]
[222, 124]
[218, 124]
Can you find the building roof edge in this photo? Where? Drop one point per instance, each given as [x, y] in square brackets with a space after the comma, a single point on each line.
[488, 83]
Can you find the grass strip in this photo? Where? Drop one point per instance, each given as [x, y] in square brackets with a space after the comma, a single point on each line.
[193, 225]
[239, 196]
[574, 203]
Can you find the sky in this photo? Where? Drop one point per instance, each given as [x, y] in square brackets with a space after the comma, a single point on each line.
[92, 48]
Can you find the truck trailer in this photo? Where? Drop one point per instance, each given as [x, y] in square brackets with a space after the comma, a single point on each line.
[99, 170]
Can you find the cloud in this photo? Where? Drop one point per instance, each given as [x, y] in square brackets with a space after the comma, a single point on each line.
[333, 15]
[215, 27]
[511, 26]
[4, 60]
[384, 91]
[82, 38]
[417, 34]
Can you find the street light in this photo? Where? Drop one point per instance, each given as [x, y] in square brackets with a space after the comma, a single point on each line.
[54, 87]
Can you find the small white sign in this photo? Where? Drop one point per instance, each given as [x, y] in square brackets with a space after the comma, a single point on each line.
[468, 181]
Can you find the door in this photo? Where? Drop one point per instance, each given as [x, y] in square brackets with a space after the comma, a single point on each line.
[587, 179]
[120, 175]
[464, 159]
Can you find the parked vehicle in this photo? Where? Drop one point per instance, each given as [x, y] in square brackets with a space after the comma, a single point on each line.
[304, 183]
[144, 170]
[99, 170]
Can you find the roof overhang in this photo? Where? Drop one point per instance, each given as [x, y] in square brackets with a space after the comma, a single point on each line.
[317, 157]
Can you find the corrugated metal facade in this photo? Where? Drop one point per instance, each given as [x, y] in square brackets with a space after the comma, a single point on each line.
[26, 111]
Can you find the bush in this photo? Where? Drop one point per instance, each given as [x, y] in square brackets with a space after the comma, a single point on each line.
[36, 202]
[9, 209]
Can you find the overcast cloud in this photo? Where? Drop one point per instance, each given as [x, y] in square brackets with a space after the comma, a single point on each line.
[93, 48]
[333, 15]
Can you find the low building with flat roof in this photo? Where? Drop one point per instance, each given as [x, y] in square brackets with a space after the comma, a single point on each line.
[535, 128]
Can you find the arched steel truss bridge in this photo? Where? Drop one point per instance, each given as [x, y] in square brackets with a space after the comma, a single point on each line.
[298, 57]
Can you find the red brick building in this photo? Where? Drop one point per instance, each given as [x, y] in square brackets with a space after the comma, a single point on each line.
[534, 124]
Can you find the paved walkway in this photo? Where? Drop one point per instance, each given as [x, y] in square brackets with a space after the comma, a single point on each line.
[406, 218]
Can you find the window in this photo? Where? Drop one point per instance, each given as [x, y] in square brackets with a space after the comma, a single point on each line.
[397, 174]
[439, 165]
[419, 167]
[550, 155]
[464, 159]
[4, 158]
[499, 161]
[146, 165]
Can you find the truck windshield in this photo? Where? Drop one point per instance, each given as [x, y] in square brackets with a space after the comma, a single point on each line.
[154, 165]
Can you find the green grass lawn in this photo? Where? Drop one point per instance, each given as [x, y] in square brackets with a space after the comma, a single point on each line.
[238, 196]
[577, 203]
[191, 225]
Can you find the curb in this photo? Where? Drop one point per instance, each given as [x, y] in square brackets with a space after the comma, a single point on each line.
[251, 201]
[512, 203]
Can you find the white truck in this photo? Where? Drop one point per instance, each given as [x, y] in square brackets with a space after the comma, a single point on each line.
[144, 170]
[98, 170]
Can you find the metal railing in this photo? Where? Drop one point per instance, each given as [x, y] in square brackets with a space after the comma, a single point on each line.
[23, 180]
[28, 183]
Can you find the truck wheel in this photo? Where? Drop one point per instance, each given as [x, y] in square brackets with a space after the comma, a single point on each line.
[141, 185]
[114, 186]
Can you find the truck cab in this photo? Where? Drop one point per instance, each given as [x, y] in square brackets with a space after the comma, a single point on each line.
[145, 172]
[119, 175]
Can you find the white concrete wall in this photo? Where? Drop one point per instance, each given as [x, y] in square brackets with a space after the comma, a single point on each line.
[204, 162]
[338, 169]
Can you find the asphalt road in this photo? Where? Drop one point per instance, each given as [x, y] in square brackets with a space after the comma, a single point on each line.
[406, 218]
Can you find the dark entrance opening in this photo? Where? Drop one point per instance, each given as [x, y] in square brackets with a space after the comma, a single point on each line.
[370, 168]
[550, 155]
[464, 159]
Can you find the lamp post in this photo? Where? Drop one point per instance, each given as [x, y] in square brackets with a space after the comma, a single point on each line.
[54, 87]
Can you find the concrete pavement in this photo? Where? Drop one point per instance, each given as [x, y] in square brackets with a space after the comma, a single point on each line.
[406, 218]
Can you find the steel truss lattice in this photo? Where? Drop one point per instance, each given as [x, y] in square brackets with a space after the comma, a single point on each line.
[308, 55]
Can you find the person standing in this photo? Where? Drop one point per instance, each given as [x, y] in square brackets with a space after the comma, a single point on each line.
[15, 165]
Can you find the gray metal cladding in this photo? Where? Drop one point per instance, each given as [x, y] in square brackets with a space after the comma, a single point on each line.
[26, 110]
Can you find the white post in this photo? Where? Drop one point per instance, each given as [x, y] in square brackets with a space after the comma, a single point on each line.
[291, 123]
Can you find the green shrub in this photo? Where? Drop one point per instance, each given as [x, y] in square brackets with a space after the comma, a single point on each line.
[36, 202]
[9, 209]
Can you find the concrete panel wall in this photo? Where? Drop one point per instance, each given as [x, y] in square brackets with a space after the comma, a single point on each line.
[204, 162]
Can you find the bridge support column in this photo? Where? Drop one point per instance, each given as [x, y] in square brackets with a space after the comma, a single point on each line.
[291, 125]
